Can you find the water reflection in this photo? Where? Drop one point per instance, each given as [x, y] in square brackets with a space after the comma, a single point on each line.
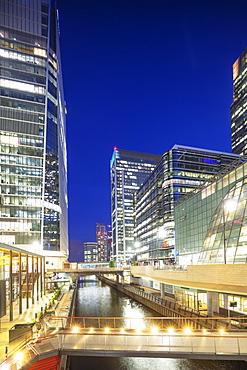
[97, 299]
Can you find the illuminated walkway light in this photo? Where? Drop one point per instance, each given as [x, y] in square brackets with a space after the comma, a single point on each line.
[187, 331]
[154, 330]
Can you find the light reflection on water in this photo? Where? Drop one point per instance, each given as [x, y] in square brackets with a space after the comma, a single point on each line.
[97, 299]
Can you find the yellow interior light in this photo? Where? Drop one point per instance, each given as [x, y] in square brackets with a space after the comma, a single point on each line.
[154, 330]
[19, 356]
[187, 331]
[6, 367]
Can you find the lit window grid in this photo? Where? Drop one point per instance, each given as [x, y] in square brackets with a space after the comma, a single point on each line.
[118, 168]
[193, 218]
[32, 65]
[148, 206]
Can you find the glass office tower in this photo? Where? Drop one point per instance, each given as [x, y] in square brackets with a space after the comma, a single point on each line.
[129, 170]
[103, 239]
[182, 170]
[212, 223]
[33, 167]
[239, 106]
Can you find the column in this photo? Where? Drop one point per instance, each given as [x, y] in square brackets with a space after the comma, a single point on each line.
[27, 282]
[37, 276]
[43, 274]
[32, 280]
[10, 286]
[41, 277]
[225, 297]
[20, 285]
[162, 290]
[212, 303]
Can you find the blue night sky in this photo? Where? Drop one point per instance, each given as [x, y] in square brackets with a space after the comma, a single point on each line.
[142, 75]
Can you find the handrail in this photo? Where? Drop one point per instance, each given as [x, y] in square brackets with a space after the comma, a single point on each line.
[145, 318]
[146, 344]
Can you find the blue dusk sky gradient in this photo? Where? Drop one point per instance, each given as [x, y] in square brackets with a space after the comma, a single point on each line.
[142, 75]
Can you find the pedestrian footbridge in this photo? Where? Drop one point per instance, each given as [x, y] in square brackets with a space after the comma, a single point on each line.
[135, 339]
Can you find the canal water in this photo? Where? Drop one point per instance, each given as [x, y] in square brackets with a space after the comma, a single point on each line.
[95, 298]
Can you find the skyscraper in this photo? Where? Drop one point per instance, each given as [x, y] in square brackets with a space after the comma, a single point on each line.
[103, 239]
[91, 252]
[33, 170]
[239, 106]
[182, 170]
[129, 170]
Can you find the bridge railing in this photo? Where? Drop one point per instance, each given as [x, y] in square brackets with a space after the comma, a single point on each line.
[146, 323]
[115, 342]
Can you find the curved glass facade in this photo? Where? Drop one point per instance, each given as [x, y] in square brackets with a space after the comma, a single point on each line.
[211, 225]
[226, 240]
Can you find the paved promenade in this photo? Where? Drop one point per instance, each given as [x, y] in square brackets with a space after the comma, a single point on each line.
[28, 316]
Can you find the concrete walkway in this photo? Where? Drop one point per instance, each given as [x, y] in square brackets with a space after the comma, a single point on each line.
[28, 316]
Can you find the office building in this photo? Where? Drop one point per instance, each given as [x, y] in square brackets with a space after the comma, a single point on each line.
[109, 245]
[129, 170]
[103, 239]
[211, 224]
[33, 170]
[239, 106]
[181, 170]
[91, 252]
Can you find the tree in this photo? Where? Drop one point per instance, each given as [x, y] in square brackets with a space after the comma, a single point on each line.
[112, 264]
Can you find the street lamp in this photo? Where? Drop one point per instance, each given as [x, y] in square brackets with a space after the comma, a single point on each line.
[228, 205]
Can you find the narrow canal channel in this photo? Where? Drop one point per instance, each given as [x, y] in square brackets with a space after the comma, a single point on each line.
[95, 298]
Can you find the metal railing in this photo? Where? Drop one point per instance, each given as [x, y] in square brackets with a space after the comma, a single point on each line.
[116, 342]
[236, 324]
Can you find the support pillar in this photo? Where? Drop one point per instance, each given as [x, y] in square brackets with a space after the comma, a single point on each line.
[212, 303]
[20, 285]
[43, 274]
[41, 277]
[32, 280]
[225, 297]
[122, 279]
[162, 290]
[37, 277]
[10, 285]
[117, 278]
[27, 283]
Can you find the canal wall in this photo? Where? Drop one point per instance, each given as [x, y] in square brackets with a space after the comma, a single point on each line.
[167, 307]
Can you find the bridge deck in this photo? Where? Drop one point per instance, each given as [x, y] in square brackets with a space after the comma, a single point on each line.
[113, 343]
